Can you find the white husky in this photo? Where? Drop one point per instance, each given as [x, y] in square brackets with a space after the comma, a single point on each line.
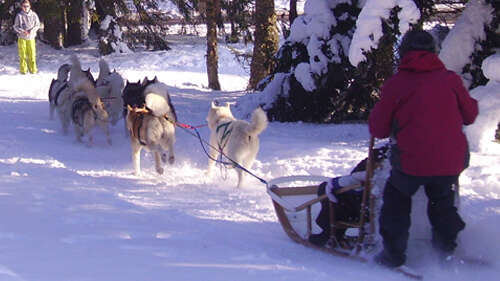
[237, 139]
[110, 85]
[87, 109]
[153, 127]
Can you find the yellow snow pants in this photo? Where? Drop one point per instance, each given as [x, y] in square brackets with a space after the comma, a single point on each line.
[27, 55]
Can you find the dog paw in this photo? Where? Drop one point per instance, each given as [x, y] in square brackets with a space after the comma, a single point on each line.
[171, 160]
[159, 171]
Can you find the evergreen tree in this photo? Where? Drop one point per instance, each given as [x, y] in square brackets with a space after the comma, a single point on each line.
[318, 81]
[8, 11]
[238, 14]
[74, 16]
[487, 46]
[53, 15]
[477, 42]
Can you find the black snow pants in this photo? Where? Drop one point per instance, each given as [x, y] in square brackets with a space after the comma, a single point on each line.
[347, 209]
[395, 214]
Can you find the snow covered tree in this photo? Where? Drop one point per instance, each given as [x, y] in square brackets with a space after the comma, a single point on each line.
[330, 69]
[474, 37]
[111, 37]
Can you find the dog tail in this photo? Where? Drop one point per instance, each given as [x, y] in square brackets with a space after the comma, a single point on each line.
[104, 71]
[259, 122]
[158, 99]
[76, 73]
[84, 85]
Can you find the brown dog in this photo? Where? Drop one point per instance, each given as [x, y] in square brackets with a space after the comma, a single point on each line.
[152, 128]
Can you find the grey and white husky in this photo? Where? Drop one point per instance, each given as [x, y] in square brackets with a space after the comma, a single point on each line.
[153, 127]
[237, 139]
[87, 109]
[109, 85]
[57, 86]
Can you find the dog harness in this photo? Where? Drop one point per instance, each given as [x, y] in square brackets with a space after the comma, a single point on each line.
[59, 91]
[137, 125]
[225, 134]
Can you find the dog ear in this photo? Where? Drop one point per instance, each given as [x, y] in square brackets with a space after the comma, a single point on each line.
[213, 104]
[228, 105]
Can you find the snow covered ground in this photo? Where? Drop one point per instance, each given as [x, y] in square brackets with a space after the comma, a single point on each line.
[73, 213]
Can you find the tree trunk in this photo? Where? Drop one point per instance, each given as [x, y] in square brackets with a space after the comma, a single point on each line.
[266, 42]
[293, 11]
[212, 56]
[75, 15]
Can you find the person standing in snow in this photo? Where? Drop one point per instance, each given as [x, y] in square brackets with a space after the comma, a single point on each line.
[26, 24]
[422, 108]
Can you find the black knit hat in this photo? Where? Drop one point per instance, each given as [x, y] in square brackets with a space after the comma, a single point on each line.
[417, 40]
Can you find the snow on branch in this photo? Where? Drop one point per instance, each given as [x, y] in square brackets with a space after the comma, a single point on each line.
[458, 46]
[369, 25]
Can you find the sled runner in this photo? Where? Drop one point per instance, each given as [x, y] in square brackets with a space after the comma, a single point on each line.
[297, 204]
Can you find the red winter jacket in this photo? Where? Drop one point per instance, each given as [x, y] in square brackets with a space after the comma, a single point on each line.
[423, 108]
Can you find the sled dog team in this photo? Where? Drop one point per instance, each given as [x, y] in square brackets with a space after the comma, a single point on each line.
[150, 117]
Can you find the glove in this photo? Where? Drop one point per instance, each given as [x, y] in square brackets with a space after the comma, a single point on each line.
[330, 188]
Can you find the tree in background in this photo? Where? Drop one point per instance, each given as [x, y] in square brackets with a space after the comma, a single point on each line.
[212, 11]
[239, 15]
[266, 42]
[74, 15]
[8, 11]
[140, 22]
[293, 11]
[316, 80]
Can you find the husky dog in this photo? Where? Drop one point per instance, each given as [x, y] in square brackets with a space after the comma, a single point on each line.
[87, 109]
[236, 139]
[57, 86]
[133, 96]
[152, 126]
[109, 85]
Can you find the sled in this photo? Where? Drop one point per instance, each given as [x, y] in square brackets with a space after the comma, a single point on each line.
[296, 203]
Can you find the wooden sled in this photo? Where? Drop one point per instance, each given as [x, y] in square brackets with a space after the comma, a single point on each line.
[301, 200]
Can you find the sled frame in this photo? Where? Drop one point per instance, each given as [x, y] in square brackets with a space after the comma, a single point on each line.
[278, 194]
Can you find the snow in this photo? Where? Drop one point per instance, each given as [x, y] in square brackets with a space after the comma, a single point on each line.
[490, 67]
[458, 46]
[69, 212]
[369, 25]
